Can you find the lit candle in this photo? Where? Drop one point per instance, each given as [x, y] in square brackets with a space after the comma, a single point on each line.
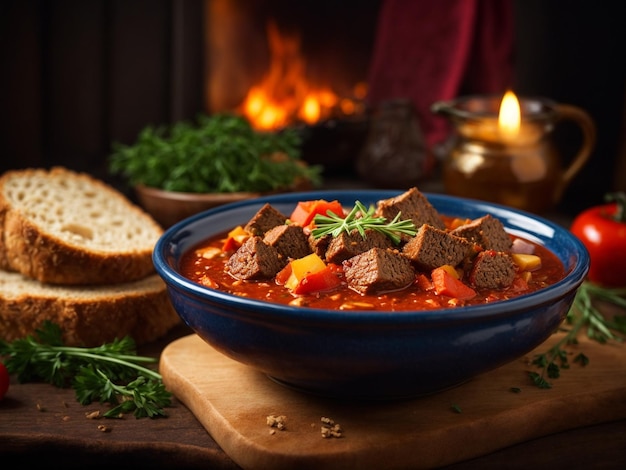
[509, 117]
[502, 151]
[507, 128]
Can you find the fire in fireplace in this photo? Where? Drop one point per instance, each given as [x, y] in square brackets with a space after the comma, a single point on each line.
[283, 63]
[286, 96]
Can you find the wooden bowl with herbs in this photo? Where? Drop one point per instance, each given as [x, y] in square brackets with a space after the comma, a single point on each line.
[191, 167]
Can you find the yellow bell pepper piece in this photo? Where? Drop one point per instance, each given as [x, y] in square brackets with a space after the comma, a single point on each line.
[451, 270]
[239, 234]
[309, 264]
[302, 266]
[526, 262]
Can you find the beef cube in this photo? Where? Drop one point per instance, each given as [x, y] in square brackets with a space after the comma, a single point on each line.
[255, 260]
[267, 217]
[319, 245]
[347, 245]
[432, 247]
[492, 270]
[289, 240]
[487, 232]
[378, 270]
[413, 205]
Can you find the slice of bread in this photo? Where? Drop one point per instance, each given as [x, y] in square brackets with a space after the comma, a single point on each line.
[87, 315]
[63, 227]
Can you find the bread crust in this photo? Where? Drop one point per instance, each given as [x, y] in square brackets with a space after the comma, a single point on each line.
[48, 259]
[87, 315]
[29, 248]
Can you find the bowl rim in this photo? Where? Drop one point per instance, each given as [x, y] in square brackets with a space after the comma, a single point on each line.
[183, 196]
[280, 312]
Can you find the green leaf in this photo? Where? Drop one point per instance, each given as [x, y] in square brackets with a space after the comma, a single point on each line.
[539, 381]
[219, 153]
[583, 315]
[111, 373]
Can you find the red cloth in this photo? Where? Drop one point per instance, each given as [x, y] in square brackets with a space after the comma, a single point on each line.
[429, 51]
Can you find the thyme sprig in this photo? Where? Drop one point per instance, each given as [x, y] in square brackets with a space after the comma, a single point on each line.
[361, 219]
[111, 373]
[582, 315]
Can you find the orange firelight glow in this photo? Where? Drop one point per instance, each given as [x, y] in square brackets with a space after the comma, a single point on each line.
[284, 95]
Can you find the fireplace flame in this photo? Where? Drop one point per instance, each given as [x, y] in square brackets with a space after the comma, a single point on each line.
[284, 95]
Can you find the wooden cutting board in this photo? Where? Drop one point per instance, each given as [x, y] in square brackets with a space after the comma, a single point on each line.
[232, 402]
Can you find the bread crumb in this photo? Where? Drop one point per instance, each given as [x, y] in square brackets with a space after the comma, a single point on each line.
[92, 414]
[277, 422]
[330, 428]
[104, 428]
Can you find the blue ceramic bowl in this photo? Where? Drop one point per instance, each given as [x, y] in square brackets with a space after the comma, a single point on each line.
[366, 354]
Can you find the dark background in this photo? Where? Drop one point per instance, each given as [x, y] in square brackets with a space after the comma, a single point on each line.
[78, 75]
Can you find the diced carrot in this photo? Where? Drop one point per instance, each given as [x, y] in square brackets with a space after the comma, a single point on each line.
[283, 275]
[235, 239]
[446, 284]
[451, 270]
[423, 282]
[319, 281]
[305, 211]
[230, 244]
[301, 213]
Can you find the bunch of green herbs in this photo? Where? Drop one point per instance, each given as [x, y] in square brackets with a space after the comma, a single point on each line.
[111, 373]
[221, 153]
[584, 317]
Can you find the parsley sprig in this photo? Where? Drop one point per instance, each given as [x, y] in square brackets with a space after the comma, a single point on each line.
[221, 153]
[111, 373]
[582, 315]
[361, 219]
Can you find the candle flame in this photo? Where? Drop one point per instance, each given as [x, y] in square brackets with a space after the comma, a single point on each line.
[510, 117]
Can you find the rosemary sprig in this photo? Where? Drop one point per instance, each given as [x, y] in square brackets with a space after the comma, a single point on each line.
[110, 373]
[361, 219]
[582, 314]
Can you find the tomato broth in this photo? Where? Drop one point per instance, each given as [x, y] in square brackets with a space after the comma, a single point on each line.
[210, 271]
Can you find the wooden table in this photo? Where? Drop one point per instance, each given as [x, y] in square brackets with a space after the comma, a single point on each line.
[40, 423]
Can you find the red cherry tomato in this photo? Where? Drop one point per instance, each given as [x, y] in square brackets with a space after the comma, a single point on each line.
[4, 380]
[602, 229]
